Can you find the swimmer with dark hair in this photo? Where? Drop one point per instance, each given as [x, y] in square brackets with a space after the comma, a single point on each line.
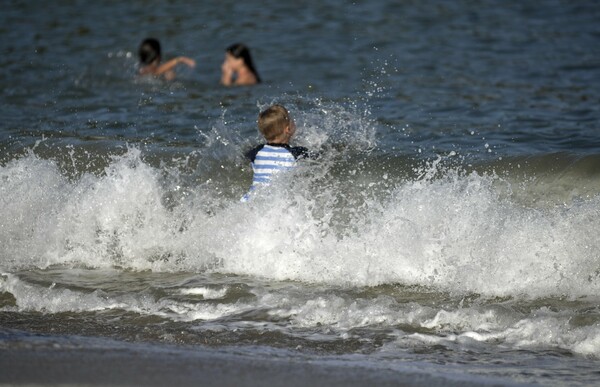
[150, 61]
[238, 68]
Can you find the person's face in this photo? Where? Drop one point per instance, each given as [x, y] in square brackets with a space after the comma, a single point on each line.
[232, 61]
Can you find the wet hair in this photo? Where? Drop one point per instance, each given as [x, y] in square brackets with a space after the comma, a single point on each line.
[272, 121]
[149, 51]
[239, 50]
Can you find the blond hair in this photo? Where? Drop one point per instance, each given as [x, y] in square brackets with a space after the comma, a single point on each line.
[272, 121]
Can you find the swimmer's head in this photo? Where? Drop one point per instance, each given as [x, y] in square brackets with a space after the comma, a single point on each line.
[149, 51]
[238, 51]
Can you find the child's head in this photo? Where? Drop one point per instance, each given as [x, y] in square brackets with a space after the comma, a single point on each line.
[149, 51]
[276, 125]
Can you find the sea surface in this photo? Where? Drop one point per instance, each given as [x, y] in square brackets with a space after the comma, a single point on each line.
[448, 227]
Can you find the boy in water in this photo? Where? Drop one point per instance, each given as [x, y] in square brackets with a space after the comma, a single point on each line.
[150, 60]
[276, 155]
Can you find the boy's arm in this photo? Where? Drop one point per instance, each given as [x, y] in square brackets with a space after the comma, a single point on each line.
[251, 154]
[170, 65]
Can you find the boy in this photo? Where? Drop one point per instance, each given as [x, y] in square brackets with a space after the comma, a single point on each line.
[276, 155]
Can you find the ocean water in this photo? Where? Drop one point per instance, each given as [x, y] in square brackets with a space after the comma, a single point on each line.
[449, 226]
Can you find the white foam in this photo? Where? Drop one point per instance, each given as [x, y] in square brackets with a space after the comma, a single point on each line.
[451, 231]
[206, 293]
[330, 316]
[30, 297]
[455, 234]
[52, 300]
[540, 330]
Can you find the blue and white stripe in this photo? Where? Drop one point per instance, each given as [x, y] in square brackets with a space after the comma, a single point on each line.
[270, 160]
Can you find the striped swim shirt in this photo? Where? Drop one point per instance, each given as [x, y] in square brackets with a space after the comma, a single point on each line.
[269, 159]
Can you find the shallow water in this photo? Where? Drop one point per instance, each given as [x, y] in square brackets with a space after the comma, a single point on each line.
[449, 222]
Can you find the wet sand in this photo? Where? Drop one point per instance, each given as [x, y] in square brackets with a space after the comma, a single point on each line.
[131, 368]
[56, 361]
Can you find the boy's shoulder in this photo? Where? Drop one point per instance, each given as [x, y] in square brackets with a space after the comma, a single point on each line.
[251, 154]
[299, 152]
[296, 151]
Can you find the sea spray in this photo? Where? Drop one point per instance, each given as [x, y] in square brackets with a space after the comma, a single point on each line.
[454, 232]
[31, 192]
[450, 230]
